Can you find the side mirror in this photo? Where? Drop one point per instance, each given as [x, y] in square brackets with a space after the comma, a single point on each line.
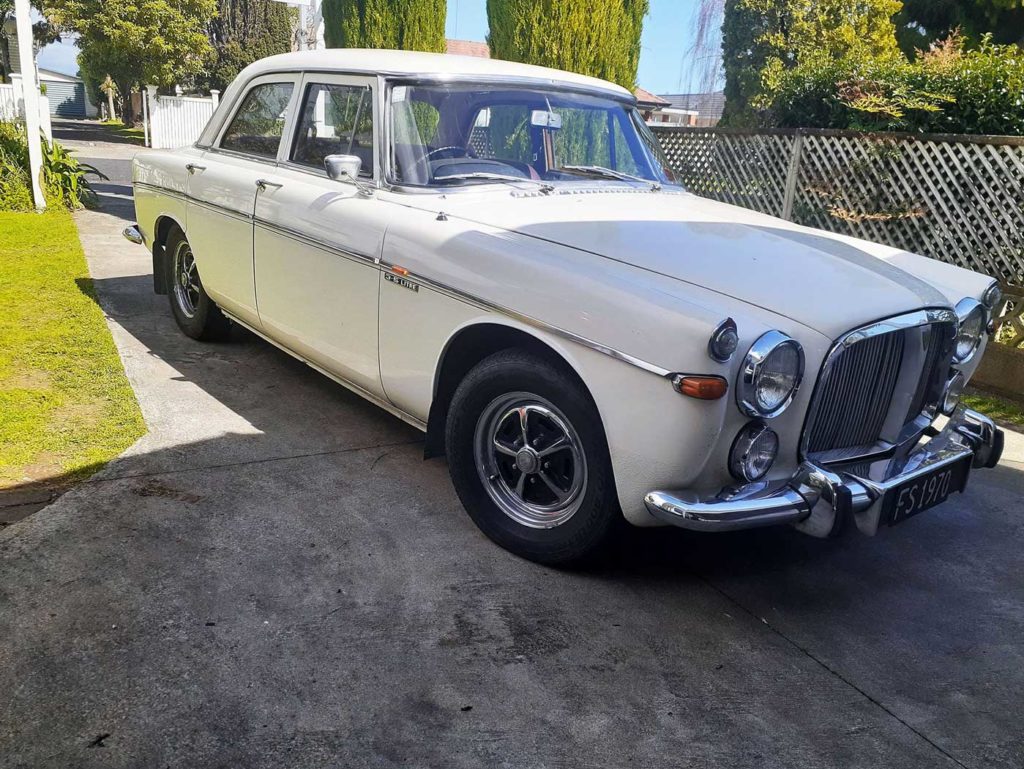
[343, 167]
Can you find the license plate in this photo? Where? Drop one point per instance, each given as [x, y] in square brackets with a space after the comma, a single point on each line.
[924, 493]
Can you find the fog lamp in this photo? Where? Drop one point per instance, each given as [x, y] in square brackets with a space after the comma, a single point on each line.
[954, 391]
[753, 452]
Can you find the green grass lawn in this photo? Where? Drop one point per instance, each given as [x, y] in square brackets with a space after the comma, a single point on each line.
[136, 135]
[1001, 410]
[65, 404]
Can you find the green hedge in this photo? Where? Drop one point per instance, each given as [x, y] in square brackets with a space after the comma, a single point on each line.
[947, 90]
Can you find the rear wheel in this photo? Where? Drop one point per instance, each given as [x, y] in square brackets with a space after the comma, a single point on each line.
[196, 314]
[528, 458]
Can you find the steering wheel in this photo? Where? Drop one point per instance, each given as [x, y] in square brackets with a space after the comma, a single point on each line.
[466, 153]
[463, 152]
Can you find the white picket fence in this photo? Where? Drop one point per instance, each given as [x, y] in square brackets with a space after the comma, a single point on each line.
[12, 106]
[176, 121]
[8, 103]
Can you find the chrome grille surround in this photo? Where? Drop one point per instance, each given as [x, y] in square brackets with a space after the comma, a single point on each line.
[879, 387]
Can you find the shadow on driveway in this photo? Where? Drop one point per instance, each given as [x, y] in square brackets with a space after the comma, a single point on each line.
[274, 577]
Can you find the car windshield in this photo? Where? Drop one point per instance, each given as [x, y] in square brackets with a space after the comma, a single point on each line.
[454, 134]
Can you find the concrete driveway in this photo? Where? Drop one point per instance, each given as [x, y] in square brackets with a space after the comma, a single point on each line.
[273, 577]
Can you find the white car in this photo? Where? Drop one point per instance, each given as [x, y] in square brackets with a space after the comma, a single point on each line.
[496, 253]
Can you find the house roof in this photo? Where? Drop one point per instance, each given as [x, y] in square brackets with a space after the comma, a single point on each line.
[53, 76]
[709, 105]
[647, 100]
[467, 48]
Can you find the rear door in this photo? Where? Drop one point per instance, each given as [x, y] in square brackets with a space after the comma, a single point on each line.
[222, 189]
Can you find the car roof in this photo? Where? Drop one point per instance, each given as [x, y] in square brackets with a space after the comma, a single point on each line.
[418, 64]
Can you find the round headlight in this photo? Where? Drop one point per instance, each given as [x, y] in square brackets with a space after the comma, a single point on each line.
[753, 452]
[954, 391]
[770, 375]
[993, 297]
[971, 330]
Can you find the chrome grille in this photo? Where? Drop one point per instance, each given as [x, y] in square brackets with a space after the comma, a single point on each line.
[939, 346]
[857, 407]
[855, 394]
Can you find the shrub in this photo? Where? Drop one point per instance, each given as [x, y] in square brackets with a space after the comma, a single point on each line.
[15, 191]
[64, 178]
[948, 89]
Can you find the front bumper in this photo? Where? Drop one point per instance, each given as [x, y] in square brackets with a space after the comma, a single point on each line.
[818, 500]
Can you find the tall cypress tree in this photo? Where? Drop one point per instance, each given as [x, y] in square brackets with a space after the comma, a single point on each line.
[245, 31]
[600, 38]
[411, 25]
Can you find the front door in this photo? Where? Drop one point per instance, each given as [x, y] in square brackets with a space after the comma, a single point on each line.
[222, 188]
[317, 241]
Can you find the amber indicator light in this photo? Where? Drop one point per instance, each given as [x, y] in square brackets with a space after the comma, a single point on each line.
[705, 388]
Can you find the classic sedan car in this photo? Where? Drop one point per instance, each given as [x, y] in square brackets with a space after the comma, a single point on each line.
[497, 254]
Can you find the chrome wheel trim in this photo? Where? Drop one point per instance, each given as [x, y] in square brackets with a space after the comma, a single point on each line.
[186, 280]
[530, 460]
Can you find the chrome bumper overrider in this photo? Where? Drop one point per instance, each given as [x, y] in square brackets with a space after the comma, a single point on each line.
[819, 499]
[133, 234]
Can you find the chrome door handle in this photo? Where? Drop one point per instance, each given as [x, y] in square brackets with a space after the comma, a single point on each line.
[264, 183]
[192, 168]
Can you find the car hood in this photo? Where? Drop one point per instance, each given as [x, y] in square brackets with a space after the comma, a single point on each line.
[827, 282]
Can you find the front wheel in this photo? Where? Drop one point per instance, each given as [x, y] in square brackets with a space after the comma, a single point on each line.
[528, 458]
[196, 314]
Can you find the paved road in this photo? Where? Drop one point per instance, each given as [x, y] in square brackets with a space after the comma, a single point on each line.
[274, 578]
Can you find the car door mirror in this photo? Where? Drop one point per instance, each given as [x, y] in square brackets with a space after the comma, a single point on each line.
[343, 167]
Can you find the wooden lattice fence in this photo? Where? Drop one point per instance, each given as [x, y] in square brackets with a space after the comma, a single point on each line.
[959, 199]
[1010, 324]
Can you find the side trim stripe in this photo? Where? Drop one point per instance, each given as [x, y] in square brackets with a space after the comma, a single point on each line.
[450, 291]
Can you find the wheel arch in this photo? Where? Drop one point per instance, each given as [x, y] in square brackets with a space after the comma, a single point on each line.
[161, 231]
[467, 347]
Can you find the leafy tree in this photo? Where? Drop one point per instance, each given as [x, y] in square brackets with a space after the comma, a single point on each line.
[412, 25]
[245, 31]
[754, 34]
[42, 32]
[762, 39]
[600, 38]
[922, 22]
[138, 42]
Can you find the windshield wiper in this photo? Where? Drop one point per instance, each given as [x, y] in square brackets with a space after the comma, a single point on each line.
[493, 177]
[608, 173]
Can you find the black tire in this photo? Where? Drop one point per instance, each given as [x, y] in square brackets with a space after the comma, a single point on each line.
[495, 386]
[195, 313]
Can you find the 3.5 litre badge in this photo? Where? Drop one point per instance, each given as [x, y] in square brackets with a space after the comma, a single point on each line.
[399, 281]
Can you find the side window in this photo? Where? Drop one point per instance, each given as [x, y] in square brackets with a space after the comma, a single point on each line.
[258, 125]
[336, 120]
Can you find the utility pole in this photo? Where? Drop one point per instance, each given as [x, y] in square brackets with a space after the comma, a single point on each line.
[30, 98]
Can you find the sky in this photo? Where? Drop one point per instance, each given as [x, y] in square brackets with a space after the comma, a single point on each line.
[665, 66]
